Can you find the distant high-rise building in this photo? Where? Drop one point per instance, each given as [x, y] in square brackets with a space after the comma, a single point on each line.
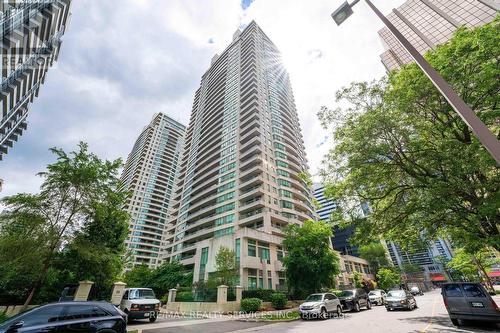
[149, 174]
[341, 236]
[428, 23]
[240, 178]
[31, 38]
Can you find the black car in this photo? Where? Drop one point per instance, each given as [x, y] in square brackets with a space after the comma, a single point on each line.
[88, 317]
[354, 299]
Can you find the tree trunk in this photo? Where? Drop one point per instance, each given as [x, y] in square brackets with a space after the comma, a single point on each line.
[485, 274]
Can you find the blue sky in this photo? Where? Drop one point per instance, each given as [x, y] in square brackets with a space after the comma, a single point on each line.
[122, 61]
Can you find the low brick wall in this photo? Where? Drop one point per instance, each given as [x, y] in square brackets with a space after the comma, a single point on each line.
[192, 307]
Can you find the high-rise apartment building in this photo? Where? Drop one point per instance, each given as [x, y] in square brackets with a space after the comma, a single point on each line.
[428, 23]
[149, 174]
[240, 175]
[31, 38]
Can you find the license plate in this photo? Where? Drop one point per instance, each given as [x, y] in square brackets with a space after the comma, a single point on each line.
[477, 305]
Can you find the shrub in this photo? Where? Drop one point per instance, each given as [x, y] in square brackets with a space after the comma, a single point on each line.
[184, 296]
[278, 300]
[263, 294]
[250, 304]
[3, 317]
[336, 292]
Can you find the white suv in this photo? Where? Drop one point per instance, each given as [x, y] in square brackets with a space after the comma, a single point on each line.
[320, 306]
[140, 303]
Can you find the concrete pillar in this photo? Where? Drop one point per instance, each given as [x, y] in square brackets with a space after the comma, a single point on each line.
[117, 294]
[239, 293]
[83, 291]
[172, 293]
[221, 294]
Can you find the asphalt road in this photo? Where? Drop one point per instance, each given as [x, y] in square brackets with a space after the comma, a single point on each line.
[430, 317]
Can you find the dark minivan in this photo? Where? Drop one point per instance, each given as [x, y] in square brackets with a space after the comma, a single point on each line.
[88, 317]
[469, 301]
[354, 299]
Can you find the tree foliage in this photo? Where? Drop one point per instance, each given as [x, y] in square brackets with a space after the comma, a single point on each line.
[473, 266]
[404, 150]
[63, 230]
[226, 269]
[310, 262]
[375, 254]
[388, 278]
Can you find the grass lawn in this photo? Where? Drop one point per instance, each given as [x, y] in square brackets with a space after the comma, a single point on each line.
[134, 331]
[282, 315]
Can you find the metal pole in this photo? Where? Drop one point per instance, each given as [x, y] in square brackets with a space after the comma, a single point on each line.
[468, 116]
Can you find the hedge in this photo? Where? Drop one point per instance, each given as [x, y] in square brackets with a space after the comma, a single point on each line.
[250, 304]
[263, 294]
[278, 301]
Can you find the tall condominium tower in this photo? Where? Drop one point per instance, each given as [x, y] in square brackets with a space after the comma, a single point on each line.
[31, 37]
[240, 181]
[428, 23]
[149, 175]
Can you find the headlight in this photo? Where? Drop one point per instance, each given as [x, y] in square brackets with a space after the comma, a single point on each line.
[316, 306]
[403, 301]
[135, 306]
[157, 306]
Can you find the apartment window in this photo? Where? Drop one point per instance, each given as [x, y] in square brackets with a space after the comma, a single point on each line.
[286, 193]
[203, 263]
[223, 232]
[224, 220]
[224, 208]
[261, 279]
[286, 204]
[283, 173]
[281, 155]
[252, 249]
[279, 146]
[252, 279]
[283, 182]
[225, 197]
[280, 253]
[269, 280]
[282, 164]
[237, 250]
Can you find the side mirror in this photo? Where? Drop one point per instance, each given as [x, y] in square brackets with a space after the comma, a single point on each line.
[15, 326]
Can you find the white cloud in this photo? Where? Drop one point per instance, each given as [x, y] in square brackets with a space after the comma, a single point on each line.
[124, 60]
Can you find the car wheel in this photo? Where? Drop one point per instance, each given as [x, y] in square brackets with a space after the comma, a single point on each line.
[324, 314]
[339, 311]
[356, 307]
[152, 319]
[368, 305]
[455, 322]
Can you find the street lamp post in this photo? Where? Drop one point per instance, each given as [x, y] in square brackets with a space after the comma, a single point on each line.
[468, 116]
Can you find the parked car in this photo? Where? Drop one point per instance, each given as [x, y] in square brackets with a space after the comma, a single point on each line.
[140, 303]
[354, 299]
[377, 296]
[469, 301]
[400, 299]
[88, 317]
[416, 291]
[320, 306]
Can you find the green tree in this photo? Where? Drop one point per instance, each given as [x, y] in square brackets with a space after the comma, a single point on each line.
[404, 150]
[75, 187]
[310, 263]
[225, 264]
[474, 266]
[139, 276]
[358, 280]
[388, 278]
[375, 254]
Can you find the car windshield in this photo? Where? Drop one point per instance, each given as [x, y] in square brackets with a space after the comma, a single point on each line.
[346, 293]
[396, 293]
[374, 293]
[142, 294]
[314, 298]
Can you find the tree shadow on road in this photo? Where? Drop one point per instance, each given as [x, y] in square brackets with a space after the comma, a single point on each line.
[447, 326]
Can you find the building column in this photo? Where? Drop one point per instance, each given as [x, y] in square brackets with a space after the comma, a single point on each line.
[239, 293]
[172, 293]
[83, 291]
[117, 294]
[221, 294]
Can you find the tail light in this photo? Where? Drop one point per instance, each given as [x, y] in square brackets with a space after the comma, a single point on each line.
[495, 306]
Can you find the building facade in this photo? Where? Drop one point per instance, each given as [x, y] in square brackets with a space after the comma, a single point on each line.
[31, 39]
[348, 266]
[341, 236]
[149, 174]
[428, 23]
[240, 179]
